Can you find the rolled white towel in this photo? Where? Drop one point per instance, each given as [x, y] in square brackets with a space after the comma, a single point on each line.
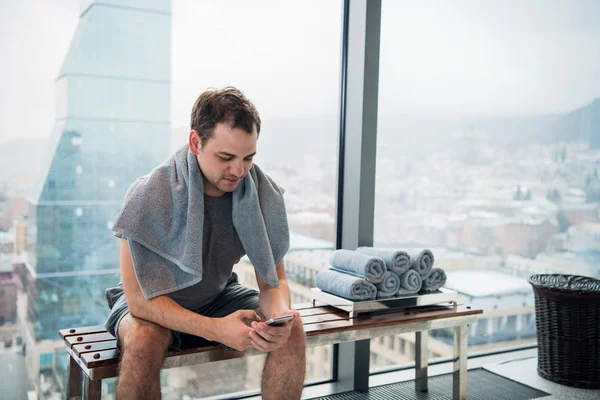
[389, 286]
[421, 261]
[361, 265]
[344, 285]
[435, 280]
[397, 261]
[410, 282]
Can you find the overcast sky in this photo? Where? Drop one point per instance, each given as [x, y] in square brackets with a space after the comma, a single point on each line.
[438, 58]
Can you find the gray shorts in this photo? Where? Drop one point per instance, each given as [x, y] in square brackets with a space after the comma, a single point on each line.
[234, 297]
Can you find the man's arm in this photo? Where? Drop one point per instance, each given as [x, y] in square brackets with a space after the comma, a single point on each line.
[273, 302]
[164, 311]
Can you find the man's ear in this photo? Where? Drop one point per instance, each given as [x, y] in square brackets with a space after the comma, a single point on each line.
[195, 143]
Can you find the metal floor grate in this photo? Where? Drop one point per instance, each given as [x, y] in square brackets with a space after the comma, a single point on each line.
[481, 385]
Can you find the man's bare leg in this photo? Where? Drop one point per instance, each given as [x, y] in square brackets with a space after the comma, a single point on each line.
[285, 368]
[144, 345]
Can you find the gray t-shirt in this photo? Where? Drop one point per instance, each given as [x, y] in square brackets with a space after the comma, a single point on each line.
[221, 249]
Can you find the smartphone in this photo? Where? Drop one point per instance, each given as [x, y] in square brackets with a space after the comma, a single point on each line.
[278, 321]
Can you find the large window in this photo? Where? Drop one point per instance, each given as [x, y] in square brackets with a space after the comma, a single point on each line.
[286, 57]
[126, 76]
[488, 153]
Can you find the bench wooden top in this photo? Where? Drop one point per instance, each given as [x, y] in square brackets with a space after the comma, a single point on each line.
[96, 347]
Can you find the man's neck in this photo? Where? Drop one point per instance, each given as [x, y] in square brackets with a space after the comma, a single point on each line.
[211, 190]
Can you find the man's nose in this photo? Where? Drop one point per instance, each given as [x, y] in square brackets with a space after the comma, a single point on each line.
[237, 169]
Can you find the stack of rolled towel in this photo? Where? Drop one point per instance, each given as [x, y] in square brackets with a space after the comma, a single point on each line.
[378, 273]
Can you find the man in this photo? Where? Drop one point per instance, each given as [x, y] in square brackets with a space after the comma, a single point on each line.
[170, 296]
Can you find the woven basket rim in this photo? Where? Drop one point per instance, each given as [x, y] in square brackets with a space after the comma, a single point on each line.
[575, 284]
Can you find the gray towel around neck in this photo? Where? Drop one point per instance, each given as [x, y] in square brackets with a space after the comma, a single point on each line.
[163, 217]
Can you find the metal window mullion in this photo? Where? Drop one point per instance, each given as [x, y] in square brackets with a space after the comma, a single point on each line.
[356, 170]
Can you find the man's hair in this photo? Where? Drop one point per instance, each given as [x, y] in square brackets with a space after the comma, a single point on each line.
[228, 105]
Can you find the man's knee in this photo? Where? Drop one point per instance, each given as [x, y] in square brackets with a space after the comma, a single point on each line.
[297, 339]
[145, 339]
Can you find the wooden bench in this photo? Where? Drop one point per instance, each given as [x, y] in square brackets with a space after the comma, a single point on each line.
[94, 354]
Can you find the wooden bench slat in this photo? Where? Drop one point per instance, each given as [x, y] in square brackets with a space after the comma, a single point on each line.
[86, 347]
[305, 306]
[302, 306]
[101, 358]
[311, 319]
[317, 320]
[90, 343]
[317, 310]
[303, 309]
[89, 338]
[111, 356]
[387, 319]
[63, 333]
[96, 346]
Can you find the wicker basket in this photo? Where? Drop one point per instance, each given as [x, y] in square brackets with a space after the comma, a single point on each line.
[567, 312]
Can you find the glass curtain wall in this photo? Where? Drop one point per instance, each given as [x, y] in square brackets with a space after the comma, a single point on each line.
[488, 153]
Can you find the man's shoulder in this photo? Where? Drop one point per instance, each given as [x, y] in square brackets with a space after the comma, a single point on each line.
[132, 188]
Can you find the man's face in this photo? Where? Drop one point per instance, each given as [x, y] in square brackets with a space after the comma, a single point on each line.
[225, 158]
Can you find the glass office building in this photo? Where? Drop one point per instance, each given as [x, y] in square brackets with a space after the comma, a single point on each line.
[112, 125]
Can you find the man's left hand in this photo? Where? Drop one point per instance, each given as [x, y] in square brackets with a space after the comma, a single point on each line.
[269, 338]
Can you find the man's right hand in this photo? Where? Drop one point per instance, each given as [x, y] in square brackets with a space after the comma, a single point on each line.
[234, 329]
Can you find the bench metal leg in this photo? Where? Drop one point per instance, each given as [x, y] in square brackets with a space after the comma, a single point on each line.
[353, 365]
[459, 384]
[73, 380]
[421, 360]
[92, 390]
